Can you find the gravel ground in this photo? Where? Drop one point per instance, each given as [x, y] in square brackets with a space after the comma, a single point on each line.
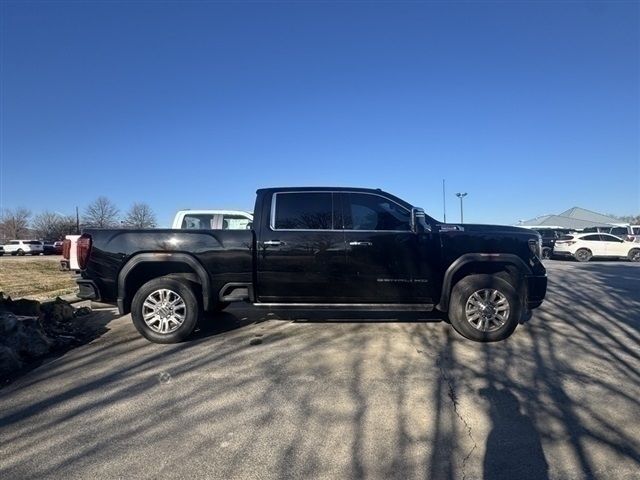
[332, 399]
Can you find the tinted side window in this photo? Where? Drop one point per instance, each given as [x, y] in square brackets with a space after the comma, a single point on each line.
[610, 238]
[235, 222]
[364, 211]
[619, 231]
[591, 238]
[303, 211]
[197, 222]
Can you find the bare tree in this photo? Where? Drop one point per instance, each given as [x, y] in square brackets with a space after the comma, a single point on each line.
[45, 224]
[53, 226]
[140, 215]
[102, 213]
[631, 219]
[14, 223]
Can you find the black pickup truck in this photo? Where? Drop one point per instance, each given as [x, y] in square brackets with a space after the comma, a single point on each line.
[343, 248]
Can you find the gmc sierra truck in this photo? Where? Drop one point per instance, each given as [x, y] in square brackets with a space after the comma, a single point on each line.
[343, 248]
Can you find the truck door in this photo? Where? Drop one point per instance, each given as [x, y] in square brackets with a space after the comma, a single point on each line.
[386, 261]
[301, 253]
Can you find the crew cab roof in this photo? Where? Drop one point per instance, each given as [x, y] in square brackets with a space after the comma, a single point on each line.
[376, 191]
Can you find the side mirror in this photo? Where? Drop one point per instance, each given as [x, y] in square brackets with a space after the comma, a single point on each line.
[419, 221]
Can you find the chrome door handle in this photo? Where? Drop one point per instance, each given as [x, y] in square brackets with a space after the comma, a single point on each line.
[273, 243]
[360, 244]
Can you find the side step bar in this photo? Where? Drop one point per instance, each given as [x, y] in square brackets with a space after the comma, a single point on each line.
[414, 307]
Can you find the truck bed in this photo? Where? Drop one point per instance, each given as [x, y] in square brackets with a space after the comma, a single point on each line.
[226, 255]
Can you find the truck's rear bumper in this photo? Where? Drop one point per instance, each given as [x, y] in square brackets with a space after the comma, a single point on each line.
[536, 290]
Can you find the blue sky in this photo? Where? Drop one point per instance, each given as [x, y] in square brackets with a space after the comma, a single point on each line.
[530, 107]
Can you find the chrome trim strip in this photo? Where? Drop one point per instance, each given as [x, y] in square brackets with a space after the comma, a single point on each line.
[397, 306]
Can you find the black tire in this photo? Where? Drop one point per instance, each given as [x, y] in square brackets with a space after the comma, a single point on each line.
[179, 287]
[583, 255]
[546, 253]
[461, 295]
[634, 255]
[20, 252]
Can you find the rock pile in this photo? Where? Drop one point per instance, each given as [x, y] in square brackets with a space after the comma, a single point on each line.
[29, 330]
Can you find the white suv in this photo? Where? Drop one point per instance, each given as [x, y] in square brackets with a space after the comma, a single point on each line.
[584, 246]
[23, 247]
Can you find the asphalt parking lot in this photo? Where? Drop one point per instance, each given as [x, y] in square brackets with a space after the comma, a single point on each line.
[336, 399]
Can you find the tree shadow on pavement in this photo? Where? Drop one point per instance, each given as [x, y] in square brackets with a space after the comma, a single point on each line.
[412, 399]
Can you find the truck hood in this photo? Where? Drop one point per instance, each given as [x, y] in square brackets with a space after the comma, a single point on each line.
[480, 228]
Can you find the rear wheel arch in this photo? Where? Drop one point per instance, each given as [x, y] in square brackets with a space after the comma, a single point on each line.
[634, 255]
[508, 267]
[147, 266]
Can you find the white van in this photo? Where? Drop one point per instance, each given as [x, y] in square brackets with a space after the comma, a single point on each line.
[212, 220]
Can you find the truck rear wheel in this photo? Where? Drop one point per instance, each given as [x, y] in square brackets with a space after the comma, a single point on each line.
[484, 308]
[165, 310]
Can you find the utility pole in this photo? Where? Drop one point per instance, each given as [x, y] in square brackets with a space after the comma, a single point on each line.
[77, 222]
[461, 196]
[444, 203]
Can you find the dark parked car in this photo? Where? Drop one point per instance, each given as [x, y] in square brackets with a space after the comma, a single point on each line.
[52, 248]
[549, 237]
[346, 248]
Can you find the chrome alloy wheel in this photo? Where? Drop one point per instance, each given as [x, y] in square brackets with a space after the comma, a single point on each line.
[164, 311]
[487, 310]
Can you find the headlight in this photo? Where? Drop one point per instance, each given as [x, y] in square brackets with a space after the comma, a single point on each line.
[536, 247]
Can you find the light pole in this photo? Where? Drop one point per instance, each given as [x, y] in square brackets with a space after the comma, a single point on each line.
[461, 196]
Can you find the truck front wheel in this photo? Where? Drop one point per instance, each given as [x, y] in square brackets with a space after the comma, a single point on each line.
[165, 310]
[484, 308]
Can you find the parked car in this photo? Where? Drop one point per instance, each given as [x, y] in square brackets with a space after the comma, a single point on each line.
[549, 237]
[24, 247]
[319, 248]
[52, 248]
[212, 220]
[585, 246]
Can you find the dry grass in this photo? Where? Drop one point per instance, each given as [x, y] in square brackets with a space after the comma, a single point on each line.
[38, 278]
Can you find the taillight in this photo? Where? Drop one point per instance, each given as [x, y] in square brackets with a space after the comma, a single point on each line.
[66, 249]
[83, 247]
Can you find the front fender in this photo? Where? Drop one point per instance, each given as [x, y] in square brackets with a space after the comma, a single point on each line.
[480, 258]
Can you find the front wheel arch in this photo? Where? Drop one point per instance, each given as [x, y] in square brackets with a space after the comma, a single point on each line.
[509, 266]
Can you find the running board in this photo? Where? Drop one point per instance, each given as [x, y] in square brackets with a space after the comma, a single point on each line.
[414, 307]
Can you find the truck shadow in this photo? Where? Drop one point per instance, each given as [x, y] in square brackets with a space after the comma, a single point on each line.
[351, 399]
